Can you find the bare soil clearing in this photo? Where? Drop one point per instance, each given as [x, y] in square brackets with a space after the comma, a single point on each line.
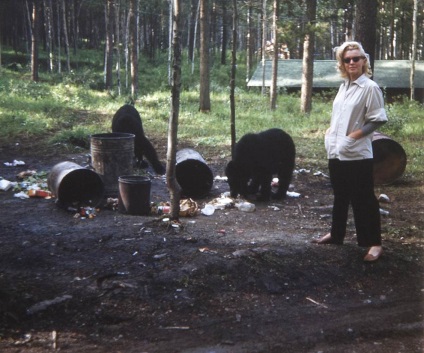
[230, 282]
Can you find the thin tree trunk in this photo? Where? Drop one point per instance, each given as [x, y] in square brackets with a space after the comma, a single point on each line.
[109, 45]
[264, 26]
[117, 45]
[171, 180]
[273, 90]
[65, 35]
[233, 77]
[308, 58]
[134, 50]
[195, 35]
[224, 34]
[170, 43]
[414, 49]
[34, 40]
[204, 99]
[249, 40]
[58, 34]
[48, 29]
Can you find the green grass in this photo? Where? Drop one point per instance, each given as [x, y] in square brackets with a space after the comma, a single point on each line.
[63, 110]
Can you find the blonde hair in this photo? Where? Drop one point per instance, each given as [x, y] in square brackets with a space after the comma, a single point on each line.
[346, 46]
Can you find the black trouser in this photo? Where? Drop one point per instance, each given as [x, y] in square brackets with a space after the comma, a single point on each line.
[353, 183]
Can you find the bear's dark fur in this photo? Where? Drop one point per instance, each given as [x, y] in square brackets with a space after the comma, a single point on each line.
[256, 158]
[128, 120]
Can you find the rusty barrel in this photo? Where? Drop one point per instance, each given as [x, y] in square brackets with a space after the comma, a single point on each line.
[134, 194]
[72, 184]
[112, 155]
[192, 173]
[389, 159]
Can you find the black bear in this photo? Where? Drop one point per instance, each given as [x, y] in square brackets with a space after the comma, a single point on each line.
[256, 158]
[128, 120]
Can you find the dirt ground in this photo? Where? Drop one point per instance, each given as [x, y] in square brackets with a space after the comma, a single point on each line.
[230, 282]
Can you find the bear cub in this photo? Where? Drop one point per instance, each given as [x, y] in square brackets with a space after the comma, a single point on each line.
[256, 158]
[128, 120]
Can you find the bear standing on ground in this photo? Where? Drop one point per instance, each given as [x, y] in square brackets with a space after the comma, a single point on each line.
[256, 158]
[128, 120]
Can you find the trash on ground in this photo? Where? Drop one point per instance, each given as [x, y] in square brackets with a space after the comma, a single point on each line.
[39, 193]
[188, 208]
[384, 212]
[222, 202]
[245, 206]
[22, 195]
[208, 210]
[321, 174]
[26, 174]
[274, 208]
[384, 198]
[302, 171]
[6, 184]
[221, 178]
[293, 194]
[14, 163]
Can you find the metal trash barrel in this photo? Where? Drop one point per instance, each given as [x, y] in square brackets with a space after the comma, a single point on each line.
[192, 173]
[389, 159]
[134, 194]
[112, 155]
[72, 184]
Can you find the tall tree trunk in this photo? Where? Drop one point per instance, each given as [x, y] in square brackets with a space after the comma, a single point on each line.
[191, 37]
[273, 88]
[264, 27]
[308, 58]
[171, 179]
[365, 24]
[233, 78]
[117, 45]
[392, 30]
[170, 23]
[66, 37]
[414, 50]
[205, 101]
[109, 45]
[35, 38]
[249, 41]
[224, 34]
[58, 32]
[134, 50]
[195, 35]
[47, 5]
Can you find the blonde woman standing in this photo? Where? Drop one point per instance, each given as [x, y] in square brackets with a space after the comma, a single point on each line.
[358, 110]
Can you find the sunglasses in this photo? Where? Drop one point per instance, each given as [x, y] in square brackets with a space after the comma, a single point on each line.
[354, 58]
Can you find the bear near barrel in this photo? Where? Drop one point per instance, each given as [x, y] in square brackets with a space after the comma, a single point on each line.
[256, 159]
[127, 120]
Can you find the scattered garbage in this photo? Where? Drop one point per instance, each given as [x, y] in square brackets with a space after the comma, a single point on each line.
[384, 198]
[293, 194]
[208, 210]
[188, 208]
[22, 195]
[384, 212]
[222, 202]
[14, 163]
[245, 206]
[6, 185]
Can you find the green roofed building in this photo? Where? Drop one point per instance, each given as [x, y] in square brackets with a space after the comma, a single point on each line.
[392, 75]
